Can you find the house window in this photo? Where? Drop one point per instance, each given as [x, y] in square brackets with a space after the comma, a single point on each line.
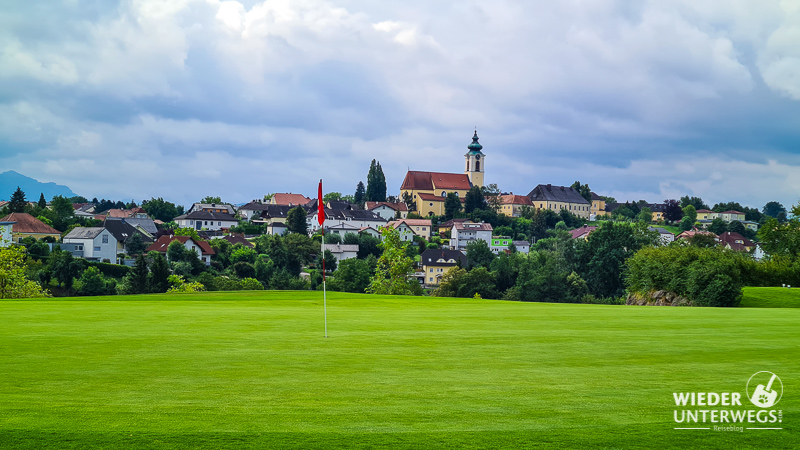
[79, 248]
[430, 279]
[430, 270]
[105, 239]
[97, 249]
[219, 224]
[191, 222]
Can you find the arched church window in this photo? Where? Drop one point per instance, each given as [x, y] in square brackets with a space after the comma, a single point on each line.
[444, 194]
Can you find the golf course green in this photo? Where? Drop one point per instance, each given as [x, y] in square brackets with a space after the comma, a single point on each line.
[253, 370]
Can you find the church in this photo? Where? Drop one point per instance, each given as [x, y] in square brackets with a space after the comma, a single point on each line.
[428, 190]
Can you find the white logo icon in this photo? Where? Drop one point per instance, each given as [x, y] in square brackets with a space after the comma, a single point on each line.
[765, 396]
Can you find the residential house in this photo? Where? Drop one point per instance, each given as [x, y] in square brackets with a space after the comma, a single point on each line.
[277, 228]
[420, 227]
[137, 213]
[204, 220]
[342, 229]
[93, 243]
[705, 214]
[736, 241]
[556, 198]
[463, 233]
[25, 225]
[582, 232]
[437, 262]
[730, 216]
[657, 209]
[690, 233]
[510, 204]
[523, 246]
[5, 233]
[289, 199]
[212, 207]
[84, 209]
[122, 231]
[203, 249]
[445, 229]
[428, 190]
[334, 217]
[342, 251]
[388, 210]
[406, 233]
[147, 226]
[750, 225]
[265, 212]
[663, 234]
[234, 239]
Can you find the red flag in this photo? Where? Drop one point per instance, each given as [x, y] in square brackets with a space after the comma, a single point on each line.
[320, 206]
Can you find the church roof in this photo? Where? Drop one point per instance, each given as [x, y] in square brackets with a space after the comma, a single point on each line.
[475, 147]
[435, 180]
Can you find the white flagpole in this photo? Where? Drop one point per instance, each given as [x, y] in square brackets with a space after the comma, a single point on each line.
[324, 290]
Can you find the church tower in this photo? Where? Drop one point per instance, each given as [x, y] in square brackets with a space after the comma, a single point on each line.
[475, 161]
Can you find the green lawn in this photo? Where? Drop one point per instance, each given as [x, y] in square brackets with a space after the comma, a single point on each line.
[251, 369]
[770, 297]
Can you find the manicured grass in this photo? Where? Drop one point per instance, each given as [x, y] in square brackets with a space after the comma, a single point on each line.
[251, 369]
[770, 297]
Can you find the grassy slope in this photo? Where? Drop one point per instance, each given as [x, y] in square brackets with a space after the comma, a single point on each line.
[770, 297]
[254, 370]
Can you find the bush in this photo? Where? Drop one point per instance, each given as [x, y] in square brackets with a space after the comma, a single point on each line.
[251, 284]
[705, 276]
[110, 270]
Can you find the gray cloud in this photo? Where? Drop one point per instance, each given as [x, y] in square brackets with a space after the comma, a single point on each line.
[185, 99]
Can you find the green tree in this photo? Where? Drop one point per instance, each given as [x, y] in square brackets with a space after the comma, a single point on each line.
[62, 212]
[479, 254]
[772, 209]
[687, 223]
[296, 221]
[782, 238]
[17, 203]
[368, 245]
[736, 227]
[65, 268]
[353, 275]
[697, 202]
[376, 183]
[359, 196]
[42, 202]
[158, 280]
[135, 245]
[162, 210]
[330, 262]
[583, 189]
[332, 197]
[492, 195]
[350, 239]
[137, 278]
[606, 250]
[474, 200]
[645, 215]
[211, 200]
[393, 268]
[718, 226]
[176, 251]
[690, 212]
[92, 283]
[452, 205]
[13, 283]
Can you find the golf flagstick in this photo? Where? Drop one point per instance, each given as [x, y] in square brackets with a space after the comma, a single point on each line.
[321, 220]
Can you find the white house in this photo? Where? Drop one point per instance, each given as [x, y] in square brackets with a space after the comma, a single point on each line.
[464, 233]
[203, 249]
[406, 233]
[356, 217]
[342, 252]
[5, 233]
[206, 220]
[98, 243]
[664, 236]
[388, 210]
[420, 227]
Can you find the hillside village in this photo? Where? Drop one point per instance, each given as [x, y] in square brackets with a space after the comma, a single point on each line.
[439, 216]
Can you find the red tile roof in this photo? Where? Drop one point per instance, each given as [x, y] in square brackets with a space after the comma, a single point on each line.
[511, 199]
[26, 223]
[399, 206]
[582, 232]
[290, 199]
[163, 242]
[732, 212]
[435, 180]
[431, 197]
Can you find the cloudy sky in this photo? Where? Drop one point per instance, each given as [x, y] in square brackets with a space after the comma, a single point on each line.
[188, 98]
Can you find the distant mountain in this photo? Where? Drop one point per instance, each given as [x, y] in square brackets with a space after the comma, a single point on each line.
[32, 188]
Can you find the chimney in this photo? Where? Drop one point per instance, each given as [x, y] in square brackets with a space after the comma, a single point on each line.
[549, 187]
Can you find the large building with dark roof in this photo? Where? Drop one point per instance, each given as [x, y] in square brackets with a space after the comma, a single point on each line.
[556, 198]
